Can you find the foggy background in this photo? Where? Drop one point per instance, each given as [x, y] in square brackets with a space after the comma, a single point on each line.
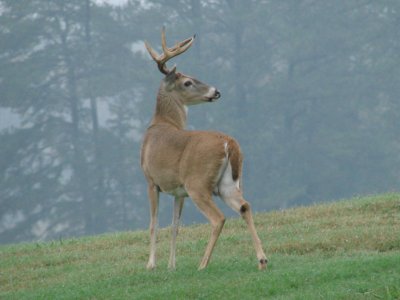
[310, 89]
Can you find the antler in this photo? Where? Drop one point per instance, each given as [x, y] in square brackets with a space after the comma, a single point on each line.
[168, 53]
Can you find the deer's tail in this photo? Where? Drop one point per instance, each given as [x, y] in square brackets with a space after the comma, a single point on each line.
[235, 158]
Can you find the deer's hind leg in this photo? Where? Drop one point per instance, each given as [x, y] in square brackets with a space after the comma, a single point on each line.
[230, 192]
[245, 212]
[202, 197]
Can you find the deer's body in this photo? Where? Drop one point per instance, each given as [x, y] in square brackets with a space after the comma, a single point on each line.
[185, 163]
[172, 155]
[169, 163]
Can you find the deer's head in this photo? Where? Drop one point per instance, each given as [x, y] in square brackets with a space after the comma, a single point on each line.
[185, 88]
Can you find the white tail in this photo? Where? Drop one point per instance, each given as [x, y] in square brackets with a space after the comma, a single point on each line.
[185, 163]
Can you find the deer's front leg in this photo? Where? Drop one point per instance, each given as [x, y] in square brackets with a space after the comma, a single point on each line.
[153, 194]
[178, 205]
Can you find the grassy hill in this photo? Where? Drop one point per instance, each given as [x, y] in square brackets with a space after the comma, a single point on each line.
[344, 250]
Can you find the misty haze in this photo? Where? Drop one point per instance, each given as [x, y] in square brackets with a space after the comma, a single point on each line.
[310, 90]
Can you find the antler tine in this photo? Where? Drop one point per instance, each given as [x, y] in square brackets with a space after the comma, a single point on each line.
[151, 51]
[168, 53]
[164, 42]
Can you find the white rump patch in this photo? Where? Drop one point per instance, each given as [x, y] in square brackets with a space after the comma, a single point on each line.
[229, 189]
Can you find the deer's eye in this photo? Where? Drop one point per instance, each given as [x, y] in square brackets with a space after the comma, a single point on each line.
[188, 83]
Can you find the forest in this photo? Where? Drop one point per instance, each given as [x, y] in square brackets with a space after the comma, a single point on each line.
[310, 89]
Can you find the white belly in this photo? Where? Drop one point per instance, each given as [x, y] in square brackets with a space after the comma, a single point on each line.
[178, 192]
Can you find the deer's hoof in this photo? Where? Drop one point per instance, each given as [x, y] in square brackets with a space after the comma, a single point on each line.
[150, 266]
[262, 265]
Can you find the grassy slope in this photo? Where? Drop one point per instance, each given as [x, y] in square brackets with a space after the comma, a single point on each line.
[345, 250]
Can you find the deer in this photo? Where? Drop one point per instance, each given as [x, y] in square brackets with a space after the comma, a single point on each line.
[190, 163]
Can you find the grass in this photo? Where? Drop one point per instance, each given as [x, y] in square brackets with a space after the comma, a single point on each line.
[344, 250]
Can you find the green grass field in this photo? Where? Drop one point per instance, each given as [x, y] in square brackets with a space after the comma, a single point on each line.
[344, 250]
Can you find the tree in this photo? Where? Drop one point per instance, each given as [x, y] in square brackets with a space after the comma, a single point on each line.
[60, 105]
[309, 89]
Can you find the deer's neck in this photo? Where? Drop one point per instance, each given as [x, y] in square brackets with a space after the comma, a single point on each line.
[170, 109]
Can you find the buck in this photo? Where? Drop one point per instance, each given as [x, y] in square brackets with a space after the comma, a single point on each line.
[186, 163]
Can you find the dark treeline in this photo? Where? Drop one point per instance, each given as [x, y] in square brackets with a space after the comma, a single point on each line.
[310, 89]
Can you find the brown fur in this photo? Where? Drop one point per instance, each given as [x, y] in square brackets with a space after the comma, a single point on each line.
[190, 163]
[235, 158]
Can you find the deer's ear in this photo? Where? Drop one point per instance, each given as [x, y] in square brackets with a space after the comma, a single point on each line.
[171, 78]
